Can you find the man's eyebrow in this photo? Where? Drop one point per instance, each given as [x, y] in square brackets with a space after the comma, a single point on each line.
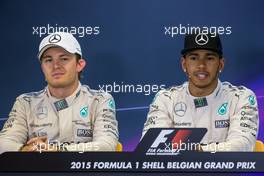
[46, 56]
[211, 54]
[61, 55]
[192, 54]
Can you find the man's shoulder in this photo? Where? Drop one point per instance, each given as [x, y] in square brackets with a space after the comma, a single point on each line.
[172, 91]
[92, 92]
[32, 95]
[240, 92]
[227, 87]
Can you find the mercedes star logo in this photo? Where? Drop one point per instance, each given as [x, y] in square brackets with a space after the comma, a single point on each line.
[55, 38]
[180, 109]
[201, 39]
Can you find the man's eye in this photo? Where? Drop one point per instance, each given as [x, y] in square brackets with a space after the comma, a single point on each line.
[193, 58]
[210, 58]
[64, 59]
[48, 60]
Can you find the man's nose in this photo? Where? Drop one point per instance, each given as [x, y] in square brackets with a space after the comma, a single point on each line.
[201, 63]
[56, 63]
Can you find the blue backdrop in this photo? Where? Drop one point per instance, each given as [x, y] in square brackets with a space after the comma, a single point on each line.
[126, 42]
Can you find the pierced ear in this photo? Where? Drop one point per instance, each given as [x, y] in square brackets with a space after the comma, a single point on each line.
[222, 64]
[183, 64]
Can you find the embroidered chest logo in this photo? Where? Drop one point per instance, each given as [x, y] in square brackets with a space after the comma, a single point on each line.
[61, 104]
[111, 104]
[84, 112]
[42, 112]
[180, 109]
[200, 102]
[251, 100]
[222, 109]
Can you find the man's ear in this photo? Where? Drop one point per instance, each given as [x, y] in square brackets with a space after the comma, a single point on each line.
[81, 64]
[183, 64]
[222, 64]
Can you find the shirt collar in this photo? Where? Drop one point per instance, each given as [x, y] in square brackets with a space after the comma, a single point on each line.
[64, 103]
[208, 98]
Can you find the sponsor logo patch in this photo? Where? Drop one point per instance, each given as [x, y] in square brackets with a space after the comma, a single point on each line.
[222, 123]
[84, 133]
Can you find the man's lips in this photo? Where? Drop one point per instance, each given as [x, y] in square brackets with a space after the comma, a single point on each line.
[201, 75]
[55, 75]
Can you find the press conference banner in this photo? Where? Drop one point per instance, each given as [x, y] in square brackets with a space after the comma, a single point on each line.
[132, 162]
[160, 150]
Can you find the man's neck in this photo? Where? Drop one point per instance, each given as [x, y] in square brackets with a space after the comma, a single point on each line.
[63, 92]
[202, 91]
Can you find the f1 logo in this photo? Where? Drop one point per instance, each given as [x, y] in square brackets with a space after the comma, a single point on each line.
[161, 138]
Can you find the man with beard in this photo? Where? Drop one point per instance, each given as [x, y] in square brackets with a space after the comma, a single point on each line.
[229, 113]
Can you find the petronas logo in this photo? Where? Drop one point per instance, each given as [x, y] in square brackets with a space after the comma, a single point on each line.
[223, 108]
[111, 104]
[251, 100]
[84, 112]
